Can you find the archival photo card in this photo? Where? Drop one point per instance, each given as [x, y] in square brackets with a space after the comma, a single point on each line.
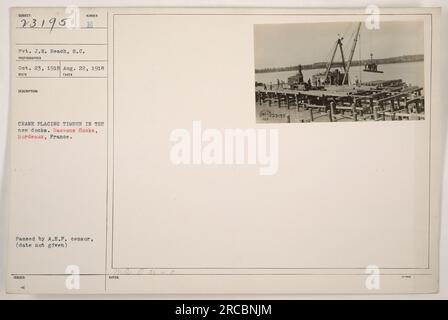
[339, 71]
[137, 165]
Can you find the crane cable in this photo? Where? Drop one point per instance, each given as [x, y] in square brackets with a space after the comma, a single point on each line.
[360, 60]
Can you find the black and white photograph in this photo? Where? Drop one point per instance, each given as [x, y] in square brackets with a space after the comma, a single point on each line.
[344, 71]
[234, 158]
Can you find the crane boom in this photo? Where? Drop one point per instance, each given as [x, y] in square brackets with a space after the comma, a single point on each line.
[342, 56]
[352, 51]
[331, 60]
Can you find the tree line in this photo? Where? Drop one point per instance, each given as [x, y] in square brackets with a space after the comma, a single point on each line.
[323, 65]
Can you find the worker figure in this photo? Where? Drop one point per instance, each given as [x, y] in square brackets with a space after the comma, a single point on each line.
[300, 74]
[414, 114]
[337, 76]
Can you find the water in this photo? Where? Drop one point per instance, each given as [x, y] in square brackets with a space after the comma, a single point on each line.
[410, 72]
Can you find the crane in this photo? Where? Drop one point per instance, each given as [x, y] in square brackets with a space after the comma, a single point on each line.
[338, 44]
[345, 64]
[352, 51]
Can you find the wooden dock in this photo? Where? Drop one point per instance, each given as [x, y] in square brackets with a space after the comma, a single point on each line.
[374, 101]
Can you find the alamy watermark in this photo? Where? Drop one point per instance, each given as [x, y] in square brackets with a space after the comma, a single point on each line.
[226, 147]
[73, 17]
[73, 279]
[373, 279]
[373, 17]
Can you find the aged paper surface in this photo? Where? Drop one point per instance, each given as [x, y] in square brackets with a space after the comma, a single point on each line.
[224, 151]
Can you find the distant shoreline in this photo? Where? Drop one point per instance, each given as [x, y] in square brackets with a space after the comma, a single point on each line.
[355, 63]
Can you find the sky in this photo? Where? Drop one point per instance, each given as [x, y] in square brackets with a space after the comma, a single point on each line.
[283, 45]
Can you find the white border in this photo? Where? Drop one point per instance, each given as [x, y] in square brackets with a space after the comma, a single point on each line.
[4, 103]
